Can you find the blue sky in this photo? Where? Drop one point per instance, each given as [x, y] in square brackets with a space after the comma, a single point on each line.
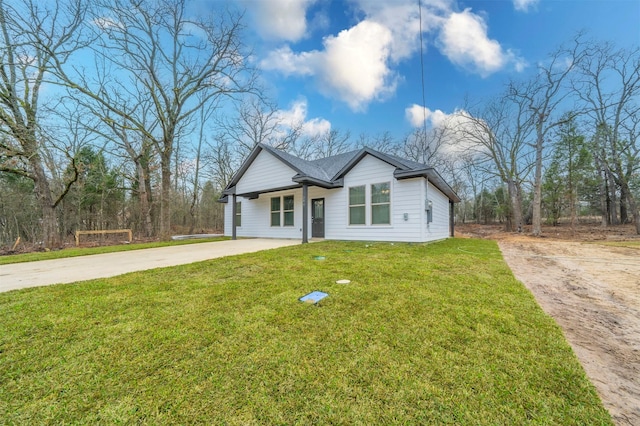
[355, 64]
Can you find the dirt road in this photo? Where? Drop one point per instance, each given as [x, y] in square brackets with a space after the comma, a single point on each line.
[593, 293]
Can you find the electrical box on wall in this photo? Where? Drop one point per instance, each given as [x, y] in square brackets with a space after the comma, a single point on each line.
[428, 207]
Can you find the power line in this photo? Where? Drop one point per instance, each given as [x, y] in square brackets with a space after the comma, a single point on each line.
[424, 97]
[424, 112]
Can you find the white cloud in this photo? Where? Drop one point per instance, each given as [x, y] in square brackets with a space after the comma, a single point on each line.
[357, 65]
[353, 66]
[105, 23]
[283, 20]
[519, 63]
[464, 40]
[288, 62]
[402, 18]
[316, 127]
[524, 5]
[25, 59]
[448, 126]
[296, 115]
[417, 115]
[191, 29]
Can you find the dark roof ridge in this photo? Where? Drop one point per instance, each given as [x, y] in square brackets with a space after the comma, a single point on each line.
[329, 171]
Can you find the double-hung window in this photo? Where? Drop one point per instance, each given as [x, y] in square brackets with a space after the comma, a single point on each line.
[357, 206]
[238, 213]
[380, 203]
[275, 211]
[287, 211]
[282, 211]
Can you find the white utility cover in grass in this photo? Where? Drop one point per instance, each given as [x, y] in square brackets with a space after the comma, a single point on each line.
[313, 297]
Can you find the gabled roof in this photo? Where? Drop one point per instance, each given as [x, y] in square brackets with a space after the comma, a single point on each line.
[329, 172]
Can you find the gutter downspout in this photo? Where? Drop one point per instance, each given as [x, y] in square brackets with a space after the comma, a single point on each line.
[451, 218]
[305, 214]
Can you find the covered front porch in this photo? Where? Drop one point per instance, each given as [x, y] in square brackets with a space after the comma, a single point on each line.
[291, 212]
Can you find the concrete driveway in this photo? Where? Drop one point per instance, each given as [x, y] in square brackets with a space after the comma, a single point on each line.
[72, 269]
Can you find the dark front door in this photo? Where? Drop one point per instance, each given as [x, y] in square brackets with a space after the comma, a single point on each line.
[317, 218]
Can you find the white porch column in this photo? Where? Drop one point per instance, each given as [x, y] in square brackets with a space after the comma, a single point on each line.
[233, 217]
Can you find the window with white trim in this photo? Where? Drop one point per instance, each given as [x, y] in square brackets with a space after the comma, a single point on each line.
[357, 206]
[275, 211]
[381, 203]
[287, 211]
[238, 213]
[282, 211]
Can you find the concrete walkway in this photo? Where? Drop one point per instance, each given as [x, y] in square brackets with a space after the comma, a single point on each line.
[72, 269]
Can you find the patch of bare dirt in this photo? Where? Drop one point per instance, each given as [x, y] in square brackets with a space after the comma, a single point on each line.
[584, 231]
[593, 292]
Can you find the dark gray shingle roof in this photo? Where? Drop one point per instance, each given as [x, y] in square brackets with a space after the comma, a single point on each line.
[332, 165]
[328, 172]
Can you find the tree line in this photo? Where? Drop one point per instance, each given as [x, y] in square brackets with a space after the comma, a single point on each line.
[135, 114]
[565, 139]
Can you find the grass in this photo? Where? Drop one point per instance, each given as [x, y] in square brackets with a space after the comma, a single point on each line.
[424, 334]
[628, 244]
[85, 251]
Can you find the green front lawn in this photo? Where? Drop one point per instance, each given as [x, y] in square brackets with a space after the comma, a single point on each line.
[424, 334]
[85, 251]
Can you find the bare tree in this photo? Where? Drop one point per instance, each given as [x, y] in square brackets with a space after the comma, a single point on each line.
[297, 142]
[330, 143]
[474, 178]
[131, 145]
[498, 133]
[318, 145]
[223, 161]
[254, 122]
[70, 129]
[428, 145]
[383, 142]
[543, 96]
[139, 151]
[204, 115]
[35, 38]
[609, 85]
[156, 50]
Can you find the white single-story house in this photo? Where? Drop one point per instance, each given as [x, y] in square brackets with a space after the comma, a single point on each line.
[360, 195]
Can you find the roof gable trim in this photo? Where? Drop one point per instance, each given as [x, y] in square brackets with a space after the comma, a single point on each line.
[363, 153]
[403, 171]
[230, 189]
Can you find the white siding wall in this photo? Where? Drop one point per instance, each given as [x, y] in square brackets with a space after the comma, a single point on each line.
[266, 172]
[439, 228]
[256, 214]
[407, 196]
[256, 217]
